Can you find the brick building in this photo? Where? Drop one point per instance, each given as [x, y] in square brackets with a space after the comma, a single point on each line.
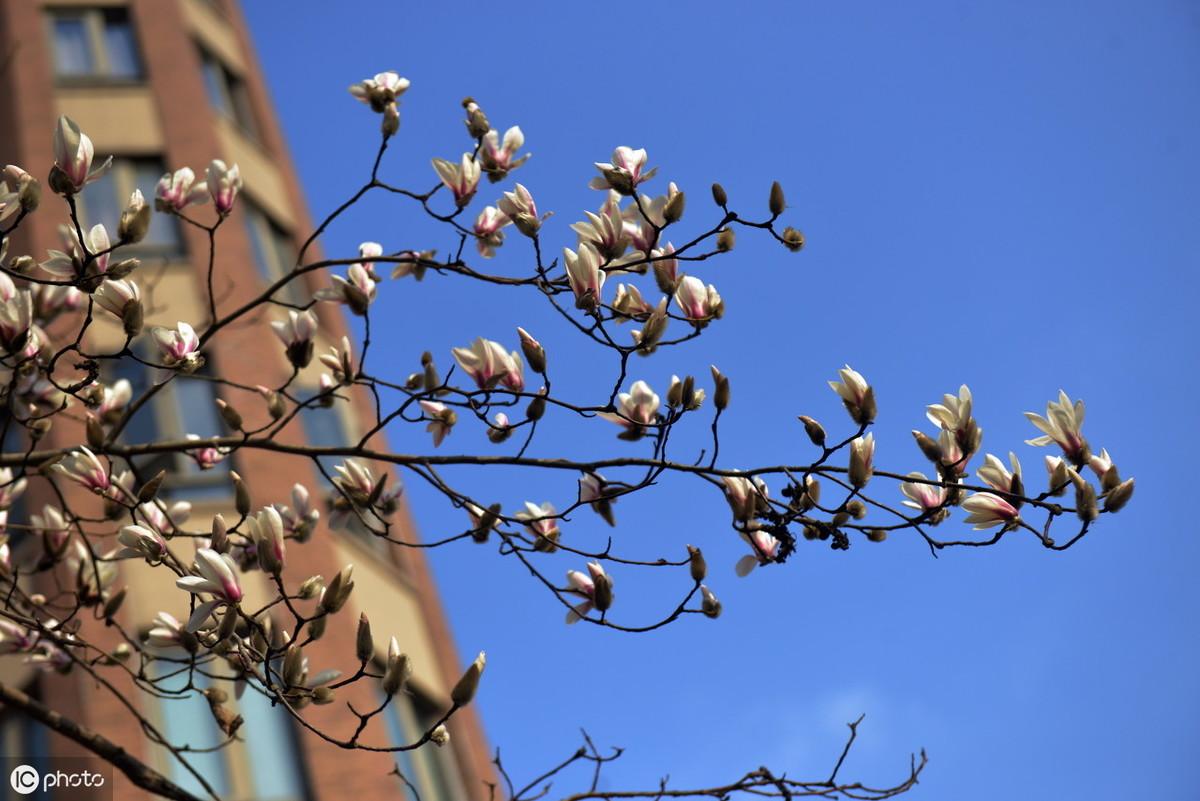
[161, 84]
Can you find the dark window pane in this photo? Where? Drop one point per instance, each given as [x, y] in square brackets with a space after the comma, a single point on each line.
[121, 47]
[323, 428]
[100, 204]
[257, 229]
[214, 82]
[73, 54]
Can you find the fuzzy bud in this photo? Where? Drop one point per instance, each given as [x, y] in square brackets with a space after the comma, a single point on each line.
[793, 240]
[719, 196]
[815, 431]
[1118, 496]
[364, 645]
[465, 689]
[696, 564]
[776, 202]
[726, 240]
[721, 389]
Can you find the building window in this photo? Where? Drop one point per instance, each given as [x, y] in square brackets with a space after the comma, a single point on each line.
[227, 93]
[276, 772]
[94, 44]
[187, 718]
[103, 201]
[186, 405]
[430, 769]
[274, 254]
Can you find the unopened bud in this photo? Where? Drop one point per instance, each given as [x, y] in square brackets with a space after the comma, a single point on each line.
[536, 408]
[726, 240]
[602, 594]
[396, 675]
[696, 564]
[440, 736]
[230, 415]
[1085, 501]
[121, 268]
[1118, 496]
[465, 689]
[364, 645]
[293, 665]
[389, 124]
[275, 405]
[132, 317]
[241, 494]
[150, 488]
[338, 591]
[535, 354]
[719, 196]
[135, 220]
[721, 389]
[776, 202]
[876, 535]
[815, 431]
[928, 446]
[323, 695]
[709, 604]
[22, 264]
[793, 240]
[857, 509]
[673, 211]
[113, 604]
[95, 433]
[219, 541]
[310, 587]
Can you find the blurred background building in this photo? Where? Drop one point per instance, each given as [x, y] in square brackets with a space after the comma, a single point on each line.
[162, 84]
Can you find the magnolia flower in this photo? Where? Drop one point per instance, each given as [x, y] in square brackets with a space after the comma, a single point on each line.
[488, 230]
[745, 495]
[592, 492]
[296, 333]
[635, 408]
[765, 547]
[604, 231]
[177, 190]
[953, 413]
[16, 321]
[340, 361]
[462, 179]
[441, 420]
[206, 456]
[299, 518]
[998, 477]
[266, 531]
[164, 632]
[518, 206]
[497, 156]
[627, 170]
[70, 263]
[52, 527]
[856, 395]
[709, 604]
[179, 346]
[217, 578]
[584, 274]
[159, 517]
[921, 496]
[487, 363]
[73, 154]
[541, 523]
[666, 268]
[15, 639]
[381, 91]
[675, 395]
[646, 218]
[224, 183]
[135, 218]
[697, 302]
[116, 296]
[862, 458]
[10, 490]
[141, 543]
[356, 290]
[82, 467]
[585, 584]
[1062, 425]
[50, 300]
[368, 252]
[412, 263]
[355, 479]
[20, 190]
[630, 305]
[987, 510]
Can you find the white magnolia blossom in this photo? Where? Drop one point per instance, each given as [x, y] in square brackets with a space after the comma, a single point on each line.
[856, 395]
[462, 179]
[584, 274]
[921, 496]
[82, 467]
[179, 346]
[489, 365]
[698, 302]
[1062, 425]
[584, 585]
[489, 233]
[141, 542]
[356, 290]
[217, 577]
[177, 190]
[765, 548]
[518, 205]
[498, 156]
[986, 510]
[997, 476]
[67, 263]
[627, 170]
[73, 155]
[637, 407]
[224, 182]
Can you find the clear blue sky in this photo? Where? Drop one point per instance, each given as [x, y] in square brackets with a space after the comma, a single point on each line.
[993, 194]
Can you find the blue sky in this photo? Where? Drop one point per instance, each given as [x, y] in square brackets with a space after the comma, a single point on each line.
[994, 195]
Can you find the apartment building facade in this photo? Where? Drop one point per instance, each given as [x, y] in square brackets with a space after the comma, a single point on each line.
[161, 84]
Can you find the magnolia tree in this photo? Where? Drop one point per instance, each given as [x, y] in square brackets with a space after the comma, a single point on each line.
[60, 570]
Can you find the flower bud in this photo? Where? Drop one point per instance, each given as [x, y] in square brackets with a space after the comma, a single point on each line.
[135, 219]
[316, 627]
[815, 431]
[1085, 501]
[113, 604]
[535, 354]
[338, 591]
[440, 736]
[1118, 496]
[876, 535]
[389, 124]
[720, 390]
[602, 596]
[673, 211]
[465, 689]
[310, 588]
[397, 673]
[364, 645]
[928, 446]
[536, 408]
[94, 432]
[293, 665]
[228, 625]
[857, 509]
[121, 269]
[150, 489]
[241, 494]
[726, 240]
[323, 695]
[776, 202]
[709, 604]
[22, 264]
[696, 564]
[132, 317]
[793, 240]
[719, 196]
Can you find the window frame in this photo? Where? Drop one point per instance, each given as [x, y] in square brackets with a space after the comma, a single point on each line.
[95, 26]
[262, 228]
[235, 105]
